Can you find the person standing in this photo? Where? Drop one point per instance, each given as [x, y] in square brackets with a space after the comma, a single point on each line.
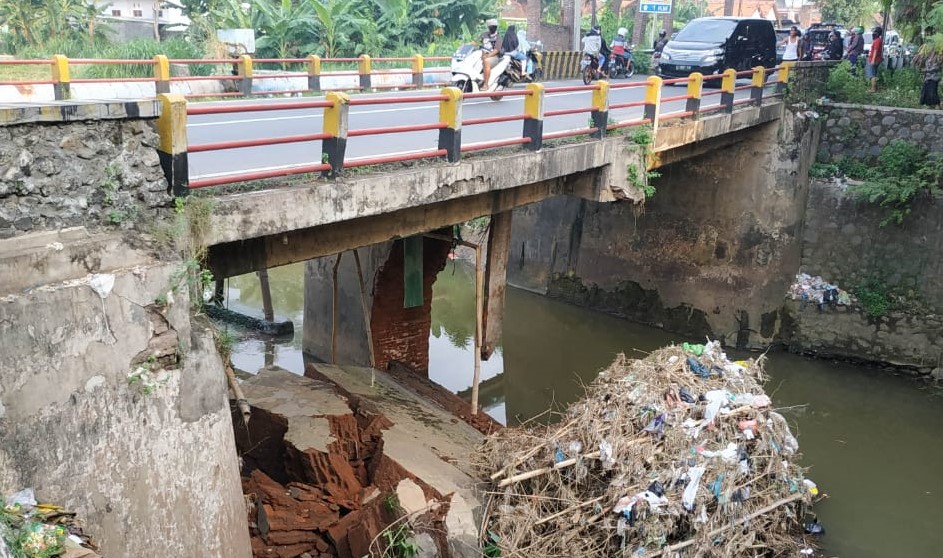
[792, 43]
[930, 63]
[875, 57]
[835, 46]
[855, 45]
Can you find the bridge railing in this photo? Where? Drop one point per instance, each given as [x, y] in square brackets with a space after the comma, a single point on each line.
[335, 133]
[240, 74]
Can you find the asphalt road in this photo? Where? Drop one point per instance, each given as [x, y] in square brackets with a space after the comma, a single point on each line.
[270, 124]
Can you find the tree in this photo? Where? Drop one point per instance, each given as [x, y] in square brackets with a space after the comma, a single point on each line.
[846, 12]
[336, 22]
[284, 27]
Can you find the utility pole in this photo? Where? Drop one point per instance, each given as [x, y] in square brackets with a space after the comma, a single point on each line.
[594, 13]
[157, 20]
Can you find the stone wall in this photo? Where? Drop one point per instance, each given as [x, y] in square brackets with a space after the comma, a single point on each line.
[860, 131]
[114, 405]
[908, 342]
[74, 164]
[844, 243]
[712, 253]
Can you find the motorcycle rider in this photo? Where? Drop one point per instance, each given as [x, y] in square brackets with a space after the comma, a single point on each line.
[491, 44]
[619, 44]
[594, 45]
[511, 46]
[659, 44]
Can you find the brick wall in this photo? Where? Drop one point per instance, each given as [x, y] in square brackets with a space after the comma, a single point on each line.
[402, 334]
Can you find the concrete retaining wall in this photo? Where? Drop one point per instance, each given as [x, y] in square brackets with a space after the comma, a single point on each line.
[149, 465]
[861, 131]
[712, 253]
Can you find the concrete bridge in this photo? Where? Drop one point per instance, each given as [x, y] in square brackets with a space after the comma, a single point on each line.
[102, 167]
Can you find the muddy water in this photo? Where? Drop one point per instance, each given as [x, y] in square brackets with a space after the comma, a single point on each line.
[873, 441]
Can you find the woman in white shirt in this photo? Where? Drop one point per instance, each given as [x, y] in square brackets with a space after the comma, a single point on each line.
[791, 54]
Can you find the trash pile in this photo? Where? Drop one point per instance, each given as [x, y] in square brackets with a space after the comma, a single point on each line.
[677, 454]
[818, 291]
[29, 529]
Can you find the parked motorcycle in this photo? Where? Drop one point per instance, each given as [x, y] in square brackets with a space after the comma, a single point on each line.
[622, 66]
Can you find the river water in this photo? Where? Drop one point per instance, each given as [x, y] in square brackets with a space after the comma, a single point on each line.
[872, 440]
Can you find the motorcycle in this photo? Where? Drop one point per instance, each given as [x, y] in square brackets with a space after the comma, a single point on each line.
[468, 71]
[622, 66]
[589, 68]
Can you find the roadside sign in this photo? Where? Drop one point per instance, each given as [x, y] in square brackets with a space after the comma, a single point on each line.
[656, 7]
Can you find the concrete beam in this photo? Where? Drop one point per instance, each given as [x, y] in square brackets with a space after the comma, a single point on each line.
[71, 111]
[277, 211]
[496, 267]
[245, 256]
[687, 134]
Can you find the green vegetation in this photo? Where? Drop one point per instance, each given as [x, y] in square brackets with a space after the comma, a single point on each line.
[28, 538]
[399, 542]
[904, 174]
[874, 298]
[900, 88]
[491, 548]
[186, 236]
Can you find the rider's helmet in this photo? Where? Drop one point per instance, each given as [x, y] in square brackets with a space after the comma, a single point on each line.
[596, 30]
[492, 25]
[662, 33]
[623, 31]
[859, 30]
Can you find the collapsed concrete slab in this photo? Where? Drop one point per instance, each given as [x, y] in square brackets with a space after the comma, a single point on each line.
[356, 457]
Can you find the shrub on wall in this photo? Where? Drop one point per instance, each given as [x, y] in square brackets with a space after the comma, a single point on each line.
[900, 88]
[904, 174]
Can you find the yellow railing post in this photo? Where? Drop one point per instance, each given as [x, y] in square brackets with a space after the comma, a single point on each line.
[653, 101]
[334, 147]
[61, 86]
[245, 74]
[314, 73]
[419, 67]
[728, 88]
[365, 68]
[695, 90]
[450, 114]
[784, 75]
[161, 74]
[759, 82]
[534, 116]
[172, 147]
[600, 114]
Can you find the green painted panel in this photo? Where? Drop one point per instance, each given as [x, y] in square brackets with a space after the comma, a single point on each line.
[412, 272]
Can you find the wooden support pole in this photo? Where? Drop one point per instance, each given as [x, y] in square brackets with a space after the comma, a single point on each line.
[268, 312]
[479, 309]
[366, 310]
[335, 310]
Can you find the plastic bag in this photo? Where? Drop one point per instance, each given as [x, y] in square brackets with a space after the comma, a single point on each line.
[690, 491]
[698, 368]
[695, 349]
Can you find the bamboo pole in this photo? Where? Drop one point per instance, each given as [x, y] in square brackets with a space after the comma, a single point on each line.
[335, 310]
[241, 401]
[569, 509]
[479, 309]
[544, 470]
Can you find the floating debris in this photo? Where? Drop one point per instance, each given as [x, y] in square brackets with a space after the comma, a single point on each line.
[684, 456]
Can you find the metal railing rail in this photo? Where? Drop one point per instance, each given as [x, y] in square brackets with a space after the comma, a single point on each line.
[242, 72]
[335, 133]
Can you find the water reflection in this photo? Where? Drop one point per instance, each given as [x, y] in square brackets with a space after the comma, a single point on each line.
[872, 440]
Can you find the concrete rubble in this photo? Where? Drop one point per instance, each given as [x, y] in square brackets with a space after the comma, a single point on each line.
[341, 463]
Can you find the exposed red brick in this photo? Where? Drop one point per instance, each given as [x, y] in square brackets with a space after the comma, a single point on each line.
[402, 334]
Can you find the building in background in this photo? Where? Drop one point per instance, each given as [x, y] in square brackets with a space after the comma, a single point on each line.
[134, 19]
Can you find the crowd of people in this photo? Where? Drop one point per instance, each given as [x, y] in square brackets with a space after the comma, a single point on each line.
[799, 47]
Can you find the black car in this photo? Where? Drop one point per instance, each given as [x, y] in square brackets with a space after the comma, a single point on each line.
[710, 45]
